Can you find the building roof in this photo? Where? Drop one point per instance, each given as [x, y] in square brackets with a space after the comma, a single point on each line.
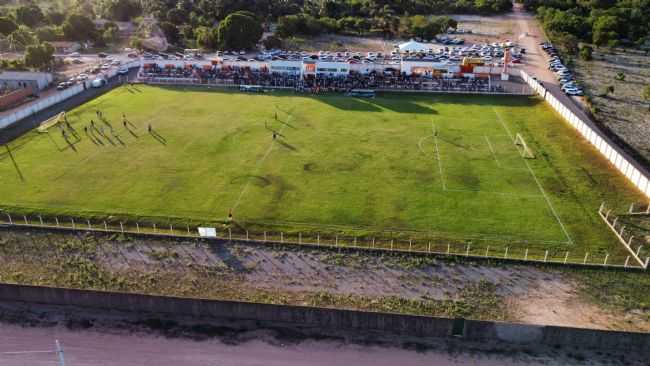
[413, 46]
[23, 75]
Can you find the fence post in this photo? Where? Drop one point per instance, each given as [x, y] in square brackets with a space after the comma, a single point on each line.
[505, 255]
[526, 255]
[410, 245]
[40, 219]
[487, 251]
[631, 207]
[545, 256]
[25, 217]
[281, 237]
[647, 261]
[56, 219]
[188, 229]
[154, 227]
[105, 226]
[121, 227]
[265, 236]
[171, 229]
[585, 260]
[467, 250]
[626, 261]
[373, 242]
[318, 239]
[606, 257]
[355, 241]
[137, 227]
[448, 248]
[429, 247]
[71, 219]
[89, 226]
[566, 257]
[336, 241]
[246, 234]
[229, 234]
[391, 244]
[10, 221]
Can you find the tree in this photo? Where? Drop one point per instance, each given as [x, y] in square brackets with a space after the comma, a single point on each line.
[206, 37]
[29, 15]
[21, 38]
[240, 30]
[272, 42]
[122, 10]
[55, 17]
[39, 56]
[646, 95]
[110, 32]
[586, 53]
[171, 32]
[79, 28]
[7, 26]
[177, 16]
[605, 30]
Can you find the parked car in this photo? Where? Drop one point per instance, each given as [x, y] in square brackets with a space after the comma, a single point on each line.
[123, 71]
[102, 55]
[98, 82]
[62, 86]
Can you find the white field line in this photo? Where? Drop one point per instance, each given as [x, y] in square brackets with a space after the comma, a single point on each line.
[539, 185]
[503, 124]
[497, 193]
[258, 165]
[435, 139]
[492, 151]
[548, 201]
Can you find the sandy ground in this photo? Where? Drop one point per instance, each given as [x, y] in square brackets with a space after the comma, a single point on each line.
[88, 347]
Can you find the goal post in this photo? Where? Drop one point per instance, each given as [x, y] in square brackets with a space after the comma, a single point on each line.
[523, 148]
[51, 122]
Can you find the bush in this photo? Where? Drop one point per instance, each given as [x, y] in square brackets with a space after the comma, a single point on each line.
[586, 53]
[272, 42]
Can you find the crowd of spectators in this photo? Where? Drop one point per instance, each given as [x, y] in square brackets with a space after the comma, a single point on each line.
[316, 83]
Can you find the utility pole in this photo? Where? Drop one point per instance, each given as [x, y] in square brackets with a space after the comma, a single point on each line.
[59, 351]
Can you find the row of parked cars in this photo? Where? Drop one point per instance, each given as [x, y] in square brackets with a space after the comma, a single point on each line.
[564, 75]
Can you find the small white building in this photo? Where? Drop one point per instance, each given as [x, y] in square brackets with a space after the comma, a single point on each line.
[22, 79]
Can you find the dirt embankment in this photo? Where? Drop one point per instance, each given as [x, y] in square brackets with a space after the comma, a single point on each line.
[285, 275]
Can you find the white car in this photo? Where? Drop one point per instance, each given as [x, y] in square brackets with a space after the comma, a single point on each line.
[98, 82]
[123, 71]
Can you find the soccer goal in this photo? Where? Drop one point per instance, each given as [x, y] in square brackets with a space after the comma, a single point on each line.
[51, 122]
[524, 150]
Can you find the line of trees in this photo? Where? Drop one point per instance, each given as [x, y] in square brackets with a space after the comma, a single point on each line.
[601, 22]
[195, 21]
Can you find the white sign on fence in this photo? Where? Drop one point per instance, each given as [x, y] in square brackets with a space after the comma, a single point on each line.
[207, 232]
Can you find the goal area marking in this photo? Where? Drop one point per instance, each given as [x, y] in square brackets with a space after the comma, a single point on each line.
[523, 148]
[51, 122]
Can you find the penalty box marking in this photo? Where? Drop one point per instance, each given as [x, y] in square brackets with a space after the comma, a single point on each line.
[539, 185]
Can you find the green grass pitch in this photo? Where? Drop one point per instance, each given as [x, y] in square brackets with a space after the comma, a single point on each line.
[436, 166]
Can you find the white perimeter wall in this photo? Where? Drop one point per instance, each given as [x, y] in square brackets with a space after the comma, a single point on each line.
[606, 148]
[43, 103]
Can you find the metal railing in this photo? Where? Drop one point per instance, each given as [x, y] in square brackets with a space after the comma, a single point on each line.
[422, 246]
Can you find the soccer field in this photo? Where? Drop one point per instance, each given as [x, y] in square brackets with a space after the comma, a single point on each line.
[438, 166]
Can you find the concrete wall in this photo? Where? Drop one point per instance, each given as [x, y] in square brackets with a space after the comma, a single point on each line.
[322, 320]
[633, 170]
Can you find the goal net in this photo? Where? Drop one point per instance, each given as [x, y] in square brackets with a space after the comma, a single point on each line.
[523, 148]
[51, 122]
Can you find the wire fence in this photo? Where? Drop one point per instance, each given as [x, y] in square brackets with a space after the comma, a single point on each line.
[422, 246]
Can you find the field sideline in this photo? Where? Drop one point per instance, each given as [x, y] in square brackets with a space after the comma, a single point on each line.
[417, 165]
